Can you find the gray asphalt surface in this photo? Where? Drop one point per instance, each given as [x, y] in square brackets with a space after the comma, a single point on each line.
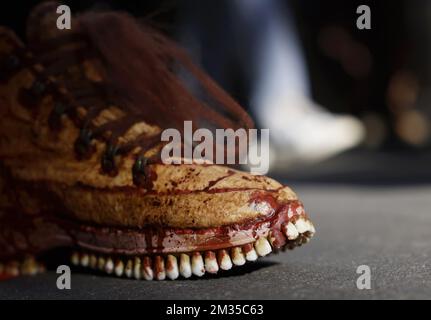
[387, 228]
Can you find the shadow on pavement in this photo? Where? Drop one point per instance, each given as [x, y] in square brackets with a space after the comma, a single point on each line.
[364, 167]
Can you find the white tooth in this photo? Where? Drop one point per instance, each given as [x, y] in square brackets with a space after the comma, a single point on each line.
[109, 266]
[75, 258]
[185, 267]
[291, 231]
[137, 268]
[119, 268]
[93, 261]
[250, 253]
[238, 258]
[301, 226]
[147, 270]
[159, 266]
[197, 264]
[128, 270]
[224, 260]
[211, 265]
[101, 263]
[172, 267]
[262, 247]
[85, 260]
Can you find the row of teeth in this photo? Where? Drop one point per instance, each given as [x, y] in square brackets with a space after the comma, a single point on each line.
[27, 267]
[197, 264]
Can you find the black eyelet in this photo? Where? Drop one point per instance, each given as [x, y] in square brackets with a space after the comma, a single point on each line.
[8, 66]
[12, 62]
[108, 159]
[138, 171]
[59, 109]
[83, 148]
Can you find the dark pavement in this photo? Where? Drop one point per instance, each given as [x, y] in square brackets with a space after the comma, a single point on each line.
[383, 222]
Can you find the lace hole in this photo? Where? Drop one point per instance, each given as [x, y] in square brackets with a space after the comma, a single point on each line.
[108, 163]
[82, 145]
[12, 62]
[138, 171]
[55, 117]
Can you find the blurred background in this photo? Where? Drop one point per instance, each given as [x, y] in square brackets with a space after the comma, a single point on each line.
[342, 104]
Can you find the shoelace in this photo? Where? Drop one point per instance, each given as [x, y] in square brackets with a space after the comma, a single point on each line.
[71, 93]
[92, 95]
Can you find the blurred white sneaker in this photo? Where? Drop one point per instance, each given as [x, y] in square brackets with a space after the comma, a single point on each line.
[303, 132]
